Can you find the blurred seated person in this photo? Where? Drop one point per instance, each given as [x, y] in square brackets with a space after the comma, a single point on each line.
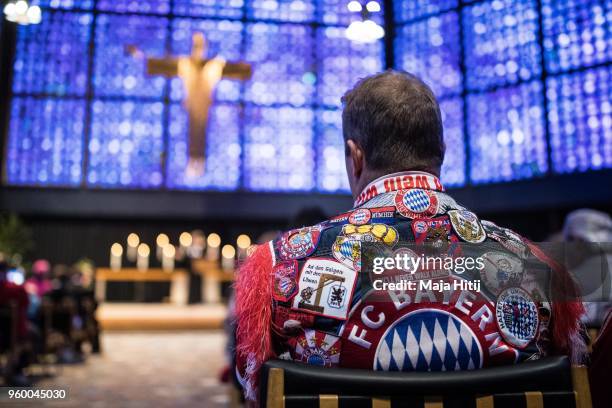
[299, 297]
[39, 283]
[12, 294]
[591, 265]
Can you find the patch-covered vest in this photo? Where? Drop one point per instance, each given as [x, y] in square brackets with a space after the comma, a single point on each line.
[325, 311]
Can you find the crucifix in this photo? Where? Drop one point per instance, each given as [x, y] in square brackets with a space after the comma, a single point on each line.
[200, 75]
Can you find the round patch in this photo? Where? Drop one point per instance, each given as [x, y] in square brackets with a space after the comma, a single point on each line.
[420, 227]
[467, 226]
[360, 216]
[318, 348]
[299, 243]
[428, 340]
[501, 270]
[285, 285]
[416, 203]
[517, 317]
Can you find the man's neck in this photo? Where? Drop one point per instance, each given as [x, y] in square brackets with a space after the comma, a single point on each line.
[369, 176]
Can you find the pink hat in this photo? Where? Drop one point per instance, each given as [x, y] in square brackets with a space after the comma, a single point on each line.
[41, 267]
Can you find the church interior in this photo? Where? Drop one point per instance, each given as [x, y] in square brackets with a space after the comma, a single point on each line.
[147, 145]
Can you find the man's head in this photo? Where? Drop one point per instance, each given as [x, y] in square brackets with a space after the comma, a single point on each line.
[391, 122]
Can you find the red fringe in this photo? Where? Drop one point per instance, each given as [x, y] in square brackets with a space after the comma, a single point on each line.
[567, 308]
[254, 312]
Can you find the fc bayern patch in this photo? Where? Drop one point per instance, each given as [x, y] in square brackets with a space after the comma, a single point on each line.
[416, 203]
[285, 284]
[501, 270]
[467, 226]
[325, 288]
[517, 317]
[299, 243]
[360, 216]
[347, 246]
[318, 348]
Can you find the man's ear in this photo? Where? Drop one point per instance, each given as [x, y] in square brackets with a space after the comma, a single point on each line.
[357, 158]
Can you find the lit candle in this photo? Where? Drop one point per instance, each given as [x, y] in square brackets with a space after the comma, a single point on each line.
[243, 243]
[161, 241]
[142, 262]
[168, 254]
[132, 245]
[185, 239]
[227, 257]
[116, 252]
[212, 251]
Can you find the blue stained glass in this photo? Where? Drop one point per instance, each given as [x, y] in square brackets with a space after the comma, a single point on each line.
[209, 8]
[430, 49]
[223, 150]
[575, 34]
[278, 152]
[507, 139]
[64, 4]
[453, 169]
[412, 9]
[281, 10]
[335, 12]
[51, 57]
[282, 64]
[45, 145]
[331, 169]
[342, 62]
[126, 144]
[135, 6]
[224, 39]
[580, 120]
[116, 72]
[501, 43]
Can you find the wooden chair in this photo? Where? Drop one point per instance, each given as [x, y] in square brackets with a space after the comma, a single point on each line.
[550, 382]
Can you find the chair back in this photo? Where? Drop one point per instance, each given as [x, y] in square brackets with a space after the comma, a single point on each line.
[550, 382]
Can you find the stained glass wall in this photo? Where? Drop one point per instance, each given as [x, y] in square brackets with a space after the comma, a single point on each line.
[85, 113]
[523, 84]
[523, 88]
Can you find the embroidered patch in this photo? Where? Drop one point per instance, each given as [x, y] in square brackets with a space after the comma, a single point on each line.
[517, 317]
[290, 320]
[284, 281]
[318, 348]
[501, 270]
[436, 231]
[507, 238]
[347, 247]
[416, 203]
[467, 226]
[299, 243]
[325, 287]
[360, 216]
[428, 340]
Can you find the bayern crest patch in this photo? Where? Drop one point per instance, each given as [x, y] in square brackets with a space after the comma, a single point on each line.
[416, 203]
[428, 340]
[325, 288]
[284, 281]
[517, 317]
[467, 226]
[360, 216]
[501, 270]
[318, 348]
[299, 243]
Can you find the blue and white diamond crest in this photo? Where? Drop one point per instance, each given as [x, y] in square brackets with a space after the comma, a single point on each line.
[428, 340]
[417, 200]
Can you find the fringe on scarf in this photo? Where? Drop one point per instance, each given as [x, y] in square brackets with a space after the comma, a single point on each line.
[567, 309]
[254, 315]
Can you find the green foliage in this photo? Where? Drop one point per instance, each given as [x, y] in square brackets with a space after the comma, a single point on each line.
[15, 236]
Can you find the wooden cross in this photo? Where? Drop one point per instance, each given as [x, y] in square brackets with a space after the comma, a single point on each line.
[200, 75]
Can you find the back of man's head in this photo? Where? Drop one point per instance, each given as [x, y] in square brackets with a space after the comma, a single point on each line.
[395, 118]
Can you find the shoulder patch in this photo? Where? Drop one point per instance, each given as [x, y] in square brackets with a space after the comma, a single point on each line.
[298, 243]
[467, 226]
